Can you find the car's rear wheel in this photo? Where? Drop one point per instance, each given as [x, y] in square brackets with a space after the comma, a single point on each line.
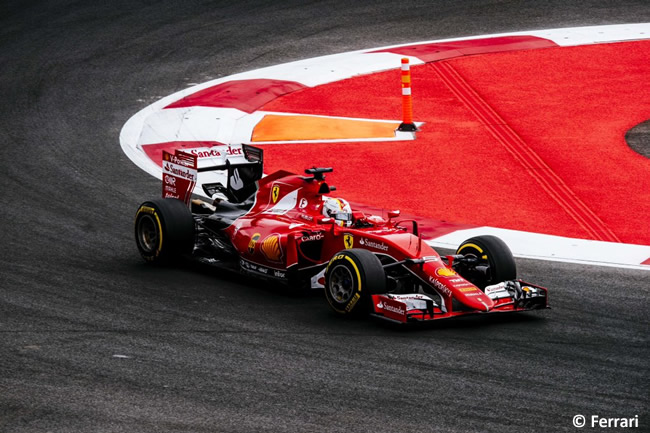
[164, 230]
[351, 278]
[487, 261]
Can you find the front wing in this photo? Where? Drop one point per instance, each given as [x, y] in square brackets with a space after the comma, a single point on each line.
[417, 307]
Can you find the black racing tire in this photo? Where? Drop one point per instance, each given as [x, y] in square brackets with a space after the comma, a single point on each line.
[352, 276]
[164, 230]
[492, 252]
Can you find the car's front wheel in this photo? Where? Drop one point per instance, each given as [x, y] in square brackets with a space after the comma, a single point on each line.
[487, 260]
[352, 276]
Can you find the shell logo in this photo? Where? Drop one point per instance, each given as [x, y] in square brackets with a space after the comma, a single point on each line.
[445, 272]
[251, 244]
[271, 248]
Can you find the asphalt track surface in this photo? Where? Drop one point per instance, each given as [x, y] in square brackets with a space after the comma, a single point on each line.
[94, 340]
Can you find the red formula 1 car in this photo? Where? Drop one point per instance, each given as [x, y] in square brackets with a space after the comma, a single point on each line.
[288, 228]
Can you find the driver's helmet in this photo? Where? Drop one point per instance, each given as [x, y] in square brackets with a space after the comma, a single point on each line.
[338, 209]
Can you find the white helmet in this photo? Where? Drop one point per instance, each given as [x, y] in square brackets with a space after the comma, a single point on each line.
[339, 209]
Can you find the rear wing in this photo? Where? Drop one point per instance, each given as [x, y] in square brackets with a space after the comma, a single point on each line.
[227, 171]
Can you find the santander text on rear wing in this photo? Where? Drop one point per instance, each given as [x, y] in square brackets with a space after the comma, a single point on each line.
[179, 175]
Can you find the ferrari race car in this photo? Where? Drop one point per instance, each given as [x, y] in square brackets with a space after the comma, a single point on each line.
[289, 228]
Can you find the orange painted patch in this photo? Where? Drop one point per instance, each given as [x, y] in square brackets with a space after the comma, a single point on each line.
[300, 128]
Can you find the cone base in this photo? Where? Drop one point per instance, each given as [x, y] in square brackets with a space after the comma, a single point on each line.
[407, 127]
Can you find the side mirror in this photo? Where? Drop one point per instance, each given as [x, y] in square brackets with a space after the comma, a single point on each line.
[393, 213]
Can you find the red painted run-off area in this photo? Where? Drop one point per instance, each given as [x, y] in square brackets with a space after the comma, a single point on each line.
[529, 140]
[244, 95]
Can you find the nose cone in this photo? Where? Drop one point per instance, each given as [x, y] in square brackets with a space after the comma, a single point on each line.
[475, 299]
[460, 289]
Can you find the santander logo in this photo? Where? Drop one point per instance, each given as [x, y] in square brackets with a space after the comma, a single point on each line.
[214, 152]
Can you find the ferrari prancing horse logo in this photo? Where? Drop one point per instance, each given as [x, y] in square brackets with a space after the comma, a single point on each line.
[348, 241]
[275, 193]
